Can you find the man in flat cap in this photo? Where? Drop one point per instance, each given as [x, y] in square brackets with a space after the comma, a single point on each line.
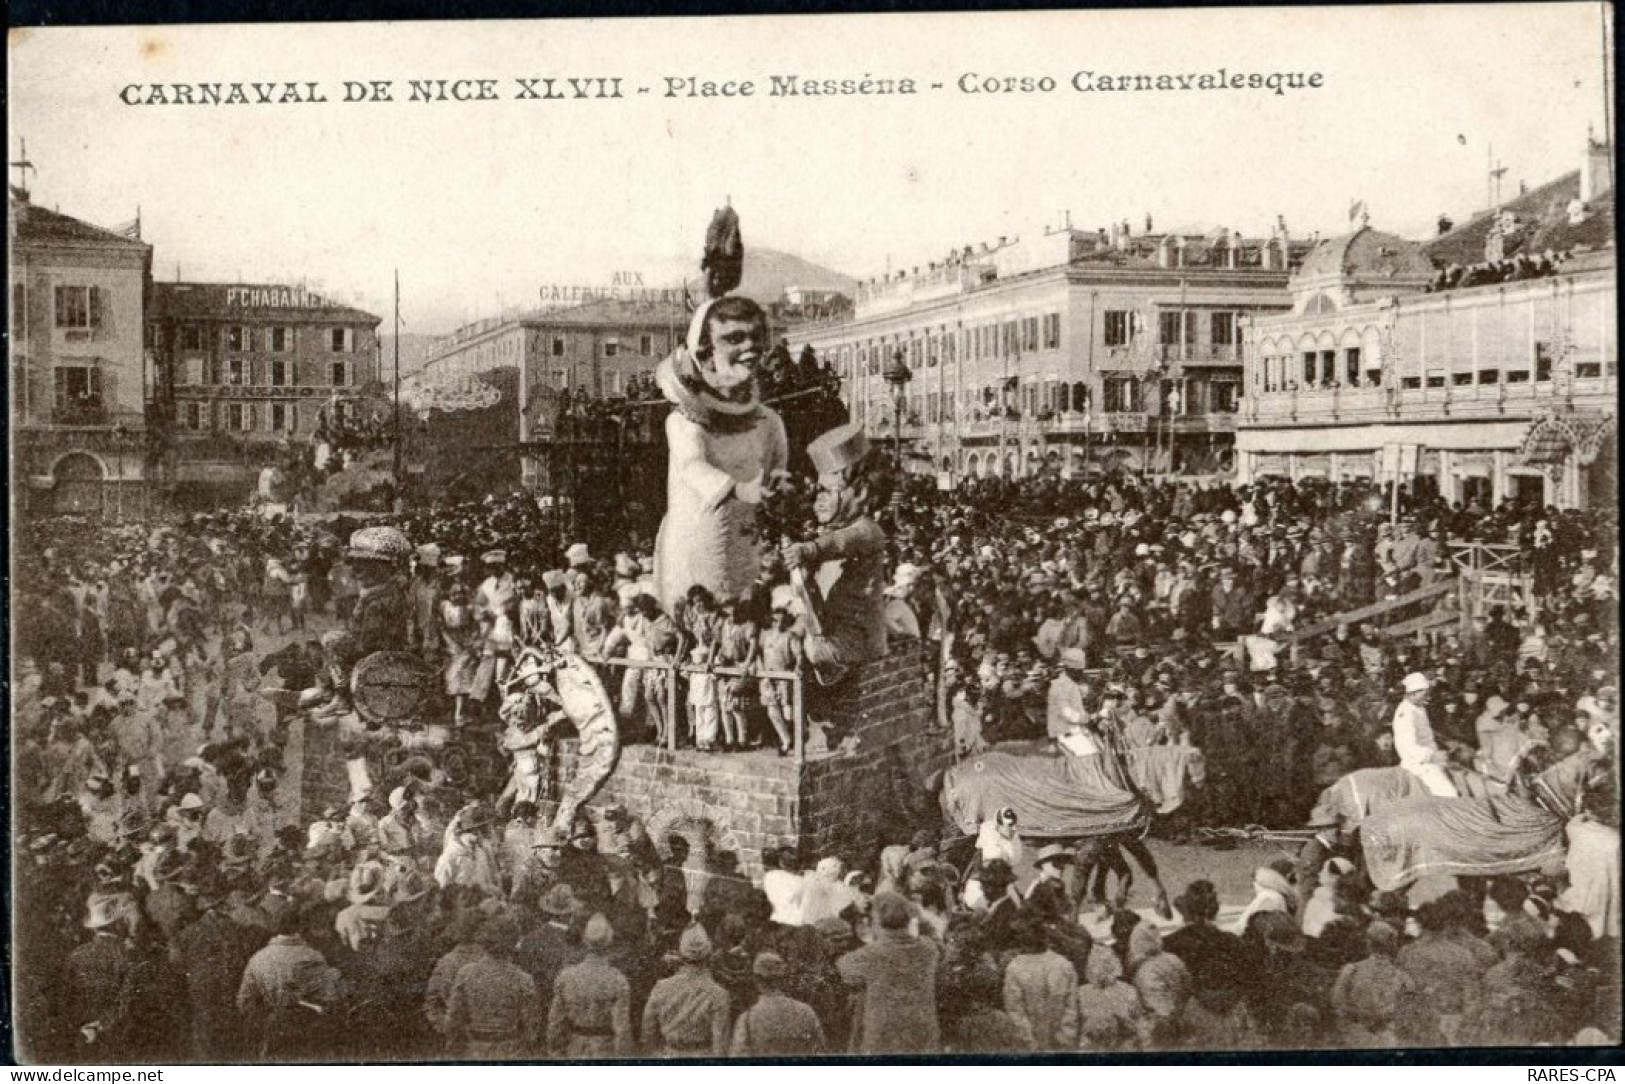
[847, 560]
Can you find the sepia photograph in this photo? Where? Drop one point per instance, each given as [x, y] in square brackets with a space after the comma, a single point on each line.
[1037, 535]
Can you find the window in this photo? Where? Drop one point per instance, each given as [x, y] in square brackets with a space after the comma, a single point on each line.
[19, 310]
[1543, 361]
[237, 371]
[1222, 397]
[78, 308]
[341, 340]
[1119, 328]
[339, 374]
[1012, 336]
[1435, 380]
[284, 417]
[1489, 376]
[239, 339]
[1121, 394]
[1587, 370]
[1517, 376]
[561, 378]
[1351, 366]
[191, 337]
[1030, 338]
[279, 340]
[189, 415]
[558, 346]
[612, 348]
[1328, 368]
[281, 374]
[1411, 383]
[1052, 331]
[1171, 327]
[239, 416]
[646, 345]
[1308, 367]
[1222, 328]
[78, 387]
[1461, 380]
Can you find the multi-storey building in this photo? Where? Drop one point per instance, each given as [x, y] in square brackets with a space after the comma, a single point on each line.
[1061, 351]
[528, 362]
[245, 369]
[1436, 365]
[79, 371]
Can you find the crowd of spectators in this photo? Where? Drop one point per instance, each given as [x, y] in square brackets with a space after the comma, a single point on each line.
[174, 902]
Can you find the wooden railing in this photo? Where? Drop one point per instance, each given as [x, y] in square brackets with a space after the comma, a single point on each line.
[1377, 610]
[674, 717]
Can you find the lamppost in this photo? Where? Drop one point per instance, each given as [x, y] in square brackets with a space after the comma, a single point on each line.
[898, 375]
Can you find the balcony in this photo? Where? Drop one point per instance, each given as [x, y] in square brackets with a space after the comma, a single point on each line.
[83, 412]
[1197, 354]
[1375, 404]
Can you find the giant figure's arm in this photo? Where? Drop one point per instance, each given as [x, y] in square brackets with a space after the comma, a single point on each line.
[689, 466]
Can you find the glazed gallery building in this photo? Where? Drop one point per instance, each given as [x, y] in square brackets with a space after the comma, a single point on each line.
[1484, 392]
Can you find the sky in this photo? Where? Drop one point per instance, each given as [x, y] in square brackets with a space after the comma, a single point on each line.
[479, 204]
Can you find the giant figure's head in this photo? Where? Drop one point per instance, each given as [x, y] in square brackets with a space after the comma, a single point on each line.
[728, 339]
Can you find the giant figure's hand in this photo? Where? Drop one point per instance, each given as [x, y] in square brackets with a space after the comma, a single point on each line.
[752, 491]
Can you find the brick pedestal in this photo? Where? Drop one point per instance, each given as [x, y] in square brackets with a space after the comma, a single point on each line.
[732, 806]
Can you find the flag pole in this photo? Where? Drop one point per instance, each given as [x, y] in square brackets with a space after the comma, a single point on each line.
[397, 383]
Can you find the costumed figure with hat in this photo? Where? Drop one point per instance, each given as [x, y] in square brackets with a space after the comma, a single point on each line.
[841, 574]
[1413, 739]
[496, 608]
[467, 857]
[725, 447]
[565, 688]
[528, 728]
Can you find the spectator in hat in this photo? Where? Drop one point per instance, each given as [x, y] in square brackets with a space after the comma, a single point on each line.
[1370, 993]
[462, 934]
[548, 948]
[492, 1011]
[97, 971]
[896, 975]
[285, 990]
[687, 1014]
[591, 1010]
[1041, 990]
[776, 1025]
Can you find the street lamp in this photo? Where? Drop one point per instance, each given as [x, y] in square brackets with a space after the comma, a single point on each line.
[898, 375]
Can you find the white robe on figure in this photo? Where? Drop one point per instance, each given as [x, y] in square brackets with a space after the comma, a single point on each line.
[706, 537]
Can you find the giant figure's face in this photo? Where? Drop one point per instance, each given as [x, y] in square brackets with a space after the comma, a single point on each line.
[736, 349]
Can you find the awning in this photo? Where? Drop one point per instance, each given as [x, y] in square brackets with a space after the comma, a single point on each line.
[1548, 444]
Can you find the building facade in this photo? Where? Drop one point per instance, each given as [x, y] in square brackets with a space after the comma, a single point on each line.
[1065, 352]
[527, 365]
[246, 369]
[80, 374]
[1486, 380]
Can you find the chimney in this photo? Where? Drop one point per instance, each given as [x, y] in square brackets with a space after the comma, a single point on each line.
[1001, 240]
[1597, 171]
[1165, 253]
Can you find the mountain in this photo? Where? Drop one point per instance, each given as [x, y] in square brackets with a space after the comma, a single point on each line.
[414, 353]
[768, 272]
